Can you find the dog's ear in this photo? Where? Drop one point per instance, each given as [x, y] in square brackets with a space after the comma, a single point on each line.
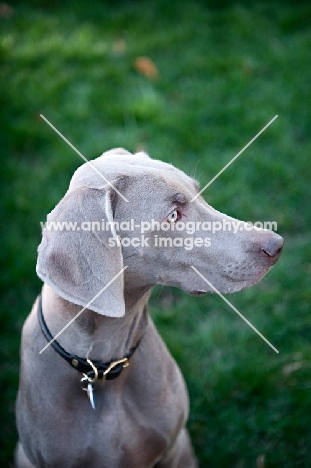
[75, 257]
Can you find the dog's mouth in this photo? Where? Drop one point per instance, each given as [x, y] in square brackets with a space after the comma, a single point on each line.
[199, 292]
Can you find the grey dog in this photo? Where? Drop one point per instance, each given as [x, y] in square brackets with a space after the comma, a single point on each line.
[120, 400]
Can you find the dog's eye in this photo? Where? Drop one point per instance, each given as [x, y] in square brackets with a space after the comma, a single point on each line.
[173, 217]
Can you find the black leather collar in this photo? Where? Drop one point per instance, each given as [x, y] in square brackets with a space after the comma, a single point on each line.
[107, 370]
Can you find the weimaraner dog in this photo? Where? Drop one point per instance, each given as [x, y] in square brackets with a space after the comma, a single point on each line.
[106, 392]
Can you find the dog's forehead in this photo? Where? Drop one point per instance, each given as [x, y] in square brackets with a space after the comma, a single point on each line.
[112, 165]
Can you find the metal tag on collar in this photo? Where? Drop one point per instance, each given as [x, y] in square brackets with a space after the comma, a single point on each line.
[91, 394]
[90, 387]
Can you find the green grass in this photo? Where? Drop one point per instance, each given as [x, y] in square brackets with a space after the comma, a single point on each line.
[225, 69]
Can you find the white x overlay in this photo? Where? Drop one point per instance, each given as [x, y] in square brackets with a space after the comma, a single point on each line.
[194, 198]
[82, 310]
[83, 157]
[235, 309]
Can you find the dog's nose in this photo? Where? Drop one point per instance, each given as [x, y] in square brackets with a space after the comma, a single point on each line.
[272, 247]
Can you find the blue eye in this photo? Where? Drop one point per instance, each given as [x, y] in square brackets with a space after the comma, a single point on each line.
[173, 217]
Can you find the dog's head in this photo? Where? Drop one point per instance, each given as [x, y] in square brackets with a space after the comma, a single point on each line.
[134, 212]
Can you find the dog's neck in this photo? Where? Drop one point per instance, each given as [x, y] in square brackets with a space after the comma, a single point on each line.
[92, 335]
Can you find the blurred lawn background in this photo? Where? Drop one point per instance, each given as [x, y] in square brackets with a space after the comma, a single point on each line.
[219, 72]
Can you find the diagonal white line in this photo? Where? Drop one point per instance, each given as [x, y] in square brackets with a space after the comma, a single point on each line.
[83, 157]
[234, 158]
[82, 310]
[235, 310]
